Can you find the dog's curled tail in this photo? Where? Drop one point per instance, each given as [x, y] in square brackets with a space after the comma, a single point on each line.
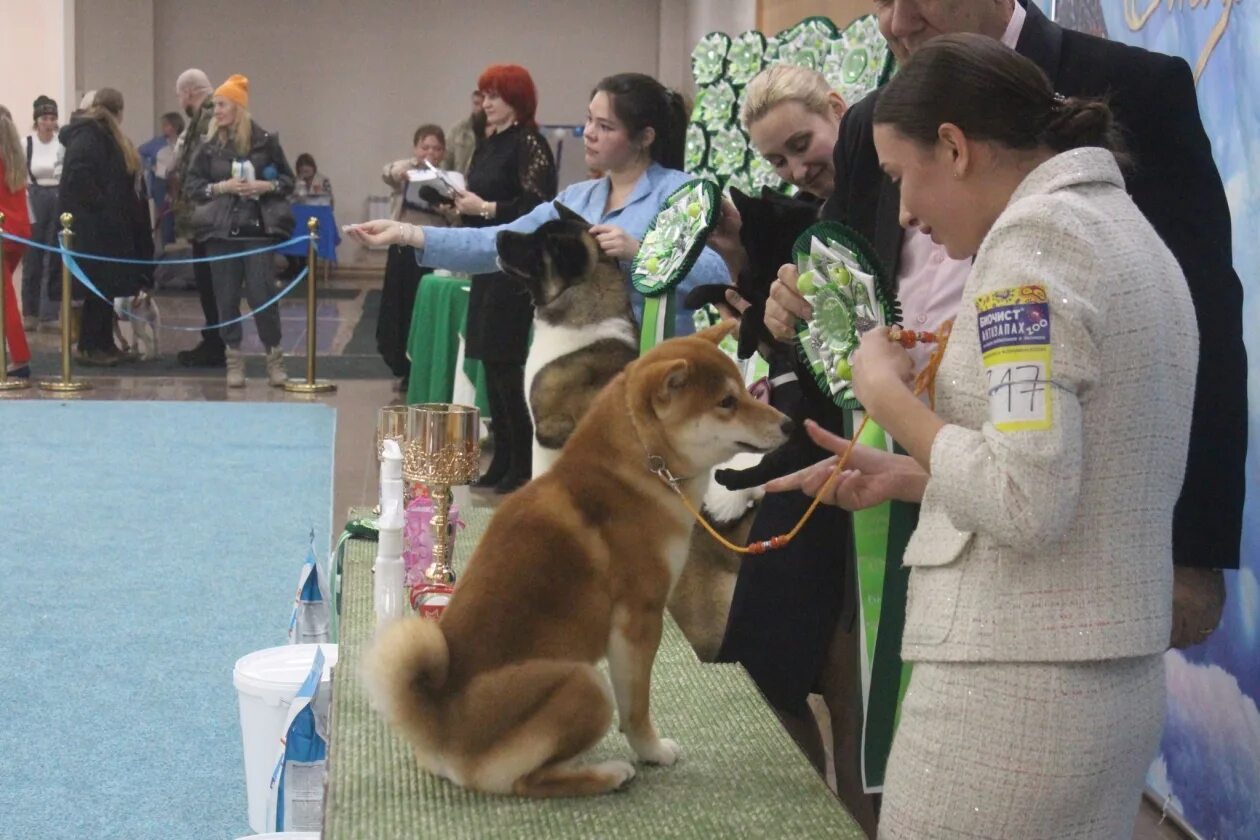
[405, 670]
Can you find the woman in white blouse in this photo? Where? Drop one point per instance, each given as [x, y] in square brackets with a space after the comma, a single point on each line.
[1041, 570]
[44, 156]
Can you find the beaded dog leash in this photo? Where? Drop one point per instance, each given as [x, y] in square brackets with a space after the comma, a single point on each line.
[925, 381]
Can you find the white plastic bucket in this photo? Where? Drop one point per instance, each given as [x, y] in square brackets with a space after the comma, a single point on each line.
[266, 682]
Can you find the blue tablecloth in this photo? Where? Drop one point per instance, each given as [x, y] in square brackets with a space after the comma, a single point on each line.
[329, 233]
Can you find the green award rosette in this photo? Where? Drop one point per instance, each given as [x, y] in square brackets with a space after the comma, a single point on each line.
[717, 109]
[670, 248]
[746, 57]
[728, 151]
[708, 59]
[858, 60]
[807, 43]
[842, 280]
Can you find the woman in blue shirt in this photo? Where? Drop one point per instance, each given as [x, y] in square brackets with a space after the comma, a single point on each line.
[635, 134]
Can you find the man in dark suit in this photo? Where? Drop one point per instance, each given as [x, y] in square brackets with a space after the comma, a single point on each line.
[1175, 183]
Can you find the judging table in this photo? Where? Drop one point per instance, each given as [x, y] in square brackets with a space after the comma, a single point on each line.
[435, 345]
[740, 774]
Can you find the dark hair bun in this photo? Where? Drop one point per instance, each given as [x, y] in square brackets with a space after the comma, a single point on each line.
[1077, 122]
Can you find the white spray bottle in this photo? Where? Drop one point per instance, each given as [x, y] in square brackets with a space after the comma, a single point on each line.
[389, 586]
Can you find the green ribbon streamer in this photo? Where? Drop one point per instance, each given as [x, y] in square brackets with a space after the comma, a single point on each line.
[880, 534]
[658, 320]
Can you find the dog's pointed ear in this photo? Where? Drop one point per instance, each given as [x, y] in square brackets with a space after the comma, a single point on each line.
[666, 378]
[719, 331]
[567, 215]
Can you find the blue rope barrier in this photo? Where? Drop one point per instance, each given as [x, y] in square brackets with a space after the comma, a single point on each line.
[182, 261]
[71, 264]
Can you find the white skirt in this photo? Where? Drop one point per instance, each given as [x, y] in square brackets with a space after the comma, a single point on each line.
[1023, 751]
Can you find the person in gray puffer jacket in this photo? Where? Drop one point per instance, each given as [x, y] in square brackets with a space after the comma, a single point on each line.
[239, 181]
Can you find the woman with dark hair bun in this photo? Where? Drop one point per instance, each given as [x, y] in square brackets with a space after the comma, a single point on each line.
[635, 135]
[1040, 591]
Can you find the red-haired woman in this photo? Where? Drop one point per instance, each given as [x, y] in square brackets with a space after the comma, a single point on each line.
[512, 172]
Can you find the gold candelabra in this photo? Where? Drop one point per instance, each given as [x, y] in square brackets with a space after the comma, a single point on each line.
[443, 451]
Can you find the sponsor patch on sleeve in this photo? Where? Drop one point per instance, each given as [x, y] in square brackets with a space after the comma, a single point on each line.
[1014, 328]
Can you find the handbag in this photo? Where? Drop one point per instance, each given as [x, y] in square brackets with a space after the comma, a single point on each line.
[245, 219]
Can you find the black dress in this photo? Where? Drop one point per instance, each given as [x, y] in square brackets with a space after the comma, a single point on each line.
[514, 169]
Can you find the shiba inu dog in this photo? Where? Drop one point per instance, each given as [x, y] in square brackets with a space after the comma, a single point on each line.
[503, 694]
[584, 328]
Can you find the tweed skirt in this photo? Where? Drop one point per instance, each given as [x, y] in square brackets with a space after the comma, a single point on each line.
[1023, 751]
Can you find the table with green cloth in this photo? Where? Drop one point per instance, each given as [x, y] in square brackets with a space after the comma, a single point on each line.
[433, 344]
[740, 774]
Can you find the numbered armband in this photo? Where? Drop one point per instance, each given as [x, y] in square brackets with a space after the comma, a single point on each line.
[1014, 329]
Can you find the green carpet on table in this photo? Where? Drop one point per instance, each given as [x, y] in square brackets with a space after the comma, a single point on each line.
[148, 546]
[740, 774]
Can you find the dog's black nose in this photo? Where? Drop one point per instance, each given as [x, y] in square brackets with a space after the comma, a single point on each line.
[787, 425]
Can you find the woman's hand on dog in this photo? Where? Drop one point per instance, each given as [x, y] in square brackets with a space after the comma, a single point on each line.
[786, 306]
[615, 242]
[872, 476]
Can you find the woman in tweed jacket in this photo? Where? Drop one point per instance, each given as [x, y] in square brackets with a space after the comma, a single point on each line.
[1041, 577]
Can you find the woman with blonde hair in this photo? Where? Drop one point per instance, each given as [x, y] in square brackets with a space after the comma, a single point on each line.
[16, 222]
[792, 116]
[102, 187]
[240, 181]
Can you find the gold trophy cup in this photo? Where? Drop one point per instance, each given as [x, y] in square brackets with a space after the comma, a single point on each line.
[443, 451]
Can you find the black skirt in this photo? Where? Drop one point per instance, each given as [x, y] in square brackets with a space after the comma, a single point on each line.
[500, 316]
[398, 300]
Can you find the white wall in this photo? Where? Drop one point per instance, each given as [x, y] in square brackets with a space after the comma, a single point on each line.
[349, 82]
[114, 48]
[36, 51]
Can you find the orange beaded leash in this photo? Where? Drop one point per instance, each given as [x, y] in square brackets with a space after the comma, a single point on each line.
[925, 381]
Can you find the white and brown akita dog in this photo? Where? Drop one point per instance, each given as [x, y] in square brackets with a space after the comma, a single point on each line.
[584, 328]
[503, 694]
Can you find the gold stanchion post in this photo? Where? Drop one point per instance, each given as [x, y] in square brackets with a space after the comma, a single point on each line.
[311, 385]
[66, 383]
[6, 384]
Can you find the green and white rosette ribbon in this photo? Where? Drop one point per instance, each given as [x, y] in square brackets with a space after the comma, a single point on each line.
[708, 59]
[746, 57]
[717, 109]
[728, 151]
[842, 280]
[807, 43]
[670, 248]
[858, 60]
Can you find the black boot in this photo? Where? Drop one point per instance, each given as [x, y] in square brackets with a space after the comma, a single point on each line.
[501, 454]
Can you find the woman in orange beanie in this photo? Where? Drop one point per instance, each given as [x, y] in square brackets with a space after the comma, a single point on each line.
[239, 181]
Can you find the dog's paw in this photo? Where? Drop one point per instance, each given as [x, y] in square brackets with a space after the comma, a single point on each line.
[664, 752]
[619, 772]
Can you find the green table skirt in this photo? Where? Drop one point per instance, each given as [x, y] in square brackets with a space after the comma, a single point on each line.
[740, 774]
[437, 324]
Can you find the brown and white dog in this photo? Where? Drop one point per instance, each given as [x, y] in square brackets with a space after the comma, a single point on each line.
[584, 328]
[503, 693]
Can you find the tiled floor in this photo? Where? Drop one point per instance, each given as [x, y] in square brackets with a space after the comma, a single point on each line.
[355, 401]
